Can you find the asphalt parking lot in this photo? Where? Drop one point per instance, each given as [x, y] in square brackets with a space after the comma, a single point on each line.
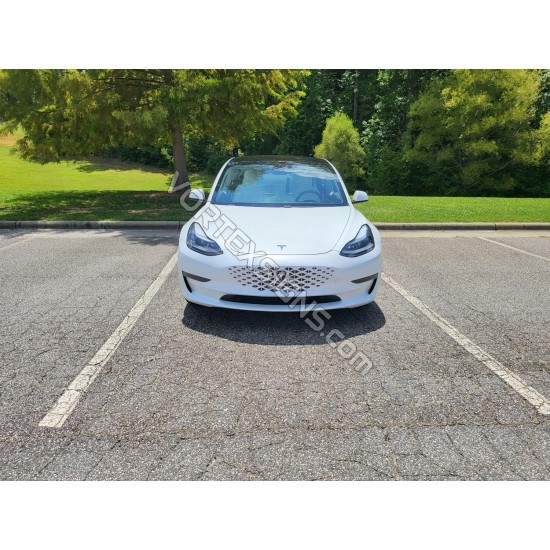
[213, 394]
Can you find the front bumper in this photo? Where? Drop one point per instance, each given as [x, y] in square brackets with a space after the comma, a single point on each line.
[210, 281]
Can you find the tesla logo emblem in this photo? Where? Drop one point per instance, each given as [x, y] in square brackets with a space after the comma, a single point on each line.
[281, 246]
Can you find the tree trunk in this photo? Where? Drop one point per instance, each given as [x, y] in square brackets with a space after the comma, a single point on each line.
[356, 97]
[180, 160]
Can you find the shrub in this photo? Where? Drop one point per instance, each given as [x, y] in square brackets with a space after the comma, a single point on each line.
[340, 145]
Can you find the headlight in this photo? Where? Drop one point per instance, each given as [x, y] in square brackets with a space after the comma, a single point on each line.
[199, 242]
[361, 244]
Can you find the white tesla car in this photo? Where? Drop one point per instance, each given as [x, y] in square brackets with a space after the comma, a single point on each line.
[276, 233]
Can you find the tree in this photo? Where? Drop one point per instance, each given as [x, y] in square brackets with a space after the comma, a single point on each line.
[75, 112]
[385, 132]
[340, 145]
[474, 130]
[328, 92]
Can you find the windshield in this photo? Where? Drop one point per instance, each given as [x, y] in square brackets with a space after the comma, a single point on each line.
[288, 184]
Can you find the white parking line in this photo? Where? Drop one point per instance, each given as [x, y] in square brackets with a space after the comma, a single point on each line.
[514, 248]
[67, 402]
[17, 242]
[541, 403]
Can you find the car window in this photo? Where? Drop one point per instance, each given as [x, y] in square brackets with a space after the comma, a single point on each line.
[290, 184]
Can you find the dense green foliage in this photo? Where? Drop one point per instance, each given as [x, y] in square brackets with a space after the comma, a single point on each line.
[437, 132]
[473, 130]
[422, 132]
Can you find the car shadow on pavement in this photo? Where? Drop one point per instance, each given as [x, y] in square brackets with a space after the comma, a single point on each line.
[283, 329]
[152, 237]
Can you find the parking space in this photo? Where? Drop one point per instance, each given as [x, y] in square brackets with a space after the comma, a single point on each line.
[495, 295]
[62, 295]
[194, 393]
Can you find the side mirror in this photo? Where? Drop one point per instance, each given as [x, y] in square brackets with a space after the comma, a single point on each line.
[360, 196]
[197, 195]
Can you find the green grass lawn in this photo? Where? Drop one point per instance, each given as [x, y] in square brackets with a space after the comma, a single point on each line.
[104, 189]
[100, 189]
[455, 209]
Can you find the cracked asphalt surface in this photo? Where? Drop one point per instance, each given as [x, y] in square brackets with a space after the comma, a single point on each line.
[224, 395]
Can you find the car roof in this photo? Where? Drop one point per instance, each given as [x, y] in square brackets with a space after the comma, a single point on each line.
[280, 160]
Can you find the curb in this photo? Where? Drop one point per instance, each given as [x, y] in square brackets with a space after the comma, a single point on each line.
[177, 225]
[492, 226]
[68, 224]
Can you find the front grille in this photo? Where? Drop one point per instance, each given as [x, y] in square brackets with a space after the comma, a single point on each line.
[276, 301]
[282, 278]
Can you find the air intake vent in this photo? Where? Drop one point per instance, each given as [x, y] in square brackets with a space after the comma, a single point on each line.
[275, 300]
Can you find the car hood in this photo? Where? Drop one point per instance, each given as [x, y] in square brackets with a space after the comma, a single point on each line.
[279, 230]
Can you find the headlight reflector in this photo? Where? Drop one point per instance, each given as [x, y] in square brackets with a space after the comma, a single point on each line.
[199, 242]
[361, 244]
